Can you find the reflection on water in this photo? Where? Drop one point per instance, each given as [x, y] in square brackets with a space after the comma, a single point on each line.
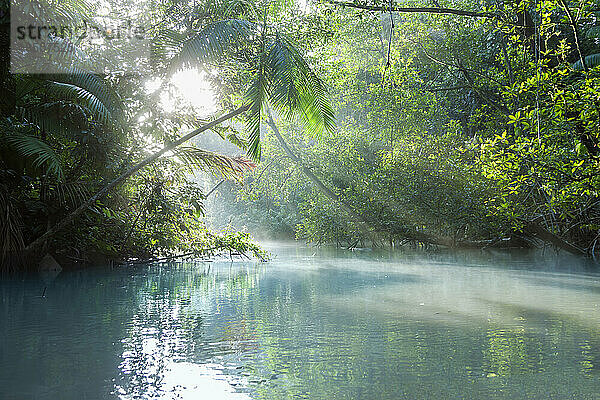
[324, 325]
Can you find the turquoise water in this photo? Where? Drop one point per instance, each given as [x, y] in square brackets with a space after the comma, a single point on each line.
[311, 324]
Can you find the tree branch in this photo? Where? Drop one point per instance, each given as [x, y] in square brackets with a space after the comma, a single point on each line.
[445, 89]
[427, 10]
[573, 24]
[466, 73]
[41, 242]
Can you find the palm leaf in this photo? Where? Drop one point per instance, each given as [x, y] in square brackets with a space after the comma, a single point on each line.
[166, 43]
[296, 90]
[69, 92]
[59, 117]
[212, 43]
[281, 77]
[74, 92]
[593, 32]
[38, 151]
[70, 193]
[241, 7]
[50, 56]
[591, 61]
[229, 167]
[94, 85]
[26, 85]
[257, 96]
[64, 52]
[71, 11]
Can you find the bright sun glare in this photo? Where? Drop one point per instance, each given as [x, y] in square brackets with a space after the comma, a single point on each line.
[192, 87]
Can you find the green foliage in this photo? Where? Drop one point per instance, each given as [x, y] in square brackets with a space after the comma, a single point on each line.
[32, 148]
[474, 130]
[471, 130]
[280, 76]
[237, 242]
[77, 131]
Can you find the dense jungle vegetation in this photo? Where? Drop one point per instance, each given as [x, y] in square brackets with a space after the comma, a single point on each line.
[460, 124]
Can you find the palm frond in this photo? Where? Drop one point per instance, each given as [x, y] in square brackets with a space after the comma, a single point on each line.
[313, 103]
[591, 61]
[281, 77]
[296, 91]
[59, 117]
[71, 11]
[229, 167]
[70, 193]
[69, 92]
[49, 56]
[41, 155]
[166, 43]
[26, 84]
[94, 85]
[76, 95]
[256, 96]
[211, 43]
[65, 52]
[241, 7]
[285, 74]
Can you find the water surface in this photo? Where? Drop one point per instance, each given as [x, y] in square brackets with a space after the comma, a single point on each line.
[311, 324]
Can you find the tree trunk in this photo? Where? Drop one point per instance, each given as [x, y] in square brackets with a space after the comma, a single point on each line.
[368, 228]
[356, 217]
[536, 229]
[37, 248]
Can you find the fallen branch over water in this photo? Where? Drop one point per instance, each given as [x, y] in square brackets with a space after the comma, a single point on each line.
[196, 256]
[536, 229]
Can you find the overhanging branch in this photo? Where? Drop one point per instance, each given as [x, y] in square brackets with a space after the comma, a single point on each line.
[426, 10]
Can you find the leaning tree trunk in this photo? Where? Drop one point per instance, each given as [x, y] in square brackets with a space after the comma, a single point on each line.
[534, 228]
[368, 228]
[320, 185]
[38, 247]
[356, 217]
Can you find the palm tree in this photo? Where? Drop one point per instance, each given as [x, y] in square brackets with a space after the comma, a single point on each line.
[280, 78]
[50, 112]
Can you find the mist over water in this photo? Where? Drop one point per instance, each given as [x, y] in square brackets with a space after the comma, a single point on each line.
[311, 324]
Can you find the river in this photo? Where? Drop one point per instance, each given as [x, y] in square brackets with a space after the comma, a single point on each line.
[310, 324]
